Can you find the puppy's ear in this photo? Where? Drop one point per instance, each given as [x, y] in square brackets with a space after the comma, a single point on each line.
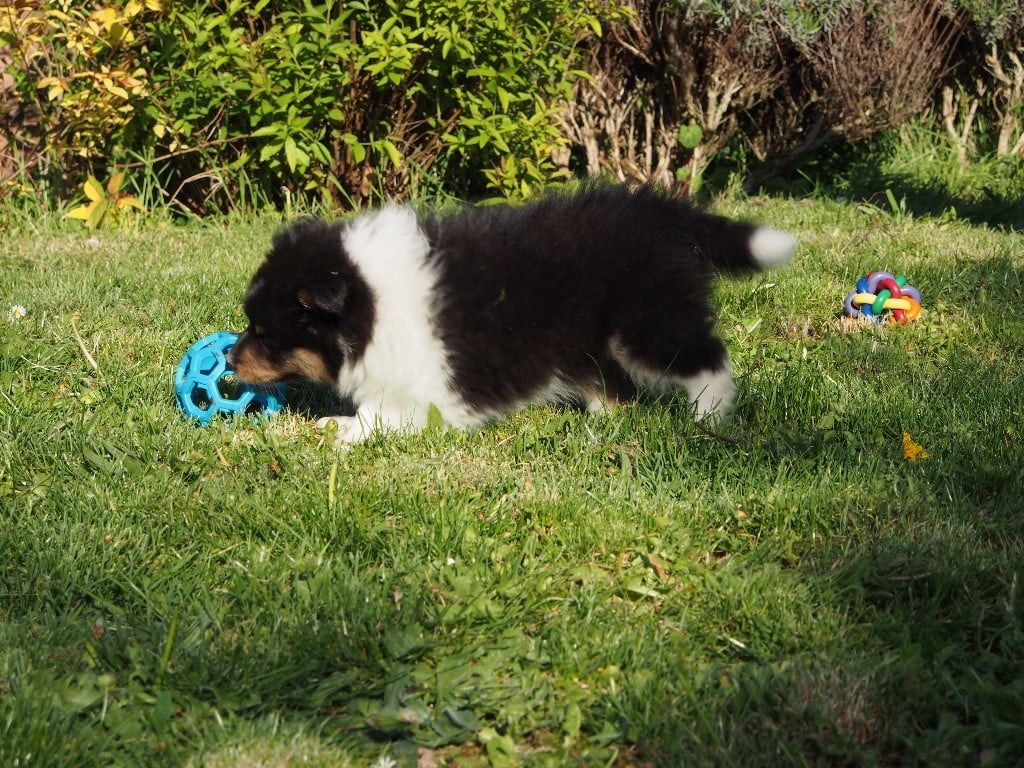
[326, 298]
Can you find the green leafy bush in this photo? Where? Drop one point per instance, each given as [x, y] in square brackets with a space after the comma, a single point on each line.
[74, 79]
[321, 99]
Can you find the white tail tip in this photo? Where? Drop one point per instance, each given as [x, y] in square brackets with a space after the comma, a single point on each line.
[771, 247]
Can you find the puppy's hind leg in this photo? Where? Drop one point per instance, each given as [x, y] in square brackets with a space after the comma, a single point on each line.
[711, 391]
[612, 386]
[698, 366]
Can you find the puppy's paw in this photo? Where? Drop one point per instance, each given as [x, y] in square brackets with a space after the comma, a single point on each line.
[712, 394]
[599, 405]
[351, 429]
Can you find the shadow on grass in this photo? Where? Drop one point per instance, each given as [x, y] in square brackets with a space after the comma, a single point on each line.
[989, 193]
[314, 401]
[936, 200]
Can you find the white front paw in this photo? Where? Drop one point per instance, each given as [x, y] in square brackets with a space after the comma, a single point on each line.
[351, 429]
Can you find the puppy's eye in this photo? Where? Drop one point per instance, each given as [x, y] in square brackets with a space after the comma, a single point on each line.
[260, 336]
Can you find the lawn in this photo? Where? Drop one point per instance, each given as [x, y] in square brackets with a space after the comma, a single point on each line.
[833, 577]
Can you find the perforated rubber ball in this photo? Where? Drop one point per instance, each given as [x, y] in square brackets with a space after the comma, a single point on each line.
[205, 386]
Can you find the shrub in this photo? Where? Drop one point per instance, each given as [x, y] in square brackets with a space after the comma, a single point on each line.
[72, 84]
[325, 99]
[858, 79]
[242, 98]
[666, 85]
[680, 80]
[669, 83]
[982, 106]
[222, 103]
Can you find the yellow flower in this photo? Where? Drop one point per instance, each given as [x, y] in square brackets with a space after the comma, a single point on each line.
[913, 451]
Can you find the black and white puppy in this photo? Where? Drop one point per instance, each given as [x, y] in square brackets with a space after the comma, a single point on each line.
[587, 296]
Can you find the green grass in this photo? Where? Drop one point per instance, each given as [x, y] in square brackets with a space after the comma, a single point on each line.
[914, 170]
[556, 589]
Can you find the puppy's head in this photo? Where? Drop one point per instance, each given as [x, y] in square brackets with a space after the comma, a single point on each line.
[309, 310]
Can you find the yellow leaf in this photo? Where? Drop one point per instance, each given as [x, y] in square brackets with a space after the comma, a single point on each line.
[81, 213]
[114, 185]
[129, 201]
[93, 189]
[118, 33]
[105, 16]
[53, 85]
[99, 210]
[913, 451]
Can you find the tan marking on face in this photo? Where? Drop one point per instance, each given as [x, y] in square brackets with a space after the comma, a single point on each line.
[252, 368]
[309, 365]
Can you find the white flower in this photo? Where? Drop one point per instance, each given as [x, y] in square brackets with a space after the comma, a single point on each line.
[17, 312]
[385, 761]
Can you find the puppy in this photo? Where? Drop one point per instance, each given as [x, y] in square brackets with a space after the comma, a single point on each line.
[588, 297]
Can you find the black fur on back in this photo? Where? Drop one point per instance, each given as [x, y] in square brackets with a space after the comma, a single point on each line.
[552, 287]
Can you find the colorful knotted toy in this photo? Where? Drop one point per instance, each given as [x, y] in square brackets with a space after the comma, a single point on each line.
[881, 291]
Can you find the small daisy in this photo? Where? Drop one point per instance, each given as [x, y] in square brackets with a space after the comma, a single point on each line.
[17, 312]
[385, 761]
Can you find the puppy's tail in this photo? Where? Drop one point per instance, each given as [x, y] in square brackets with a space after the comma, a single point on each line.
[733, 246]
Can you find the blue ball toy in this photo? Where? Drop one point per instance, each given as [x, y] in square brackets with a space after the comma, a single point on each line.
[205, 385]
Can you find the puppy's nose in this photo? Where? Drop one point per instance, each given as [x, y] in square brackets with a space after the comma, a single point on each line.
[233, 353]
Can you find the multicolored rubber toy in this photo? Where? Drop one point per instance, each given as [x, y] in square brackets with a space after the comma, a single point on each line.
[882, 292]
[205, 385]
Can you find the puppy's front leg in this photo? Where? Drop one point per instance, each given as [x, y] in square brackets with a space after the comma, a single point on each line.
[355, 429]
[351, 429]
